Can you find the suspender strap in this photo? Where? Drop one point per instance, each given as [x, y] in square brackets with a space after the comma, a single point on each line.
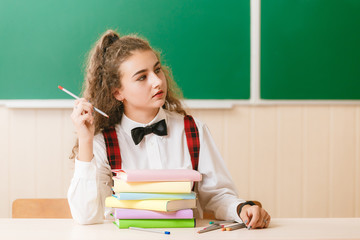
[192, 138]
[112, 148]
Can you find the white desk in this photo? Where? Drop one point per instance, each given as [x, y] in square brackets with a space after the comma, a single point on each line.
[296, 228]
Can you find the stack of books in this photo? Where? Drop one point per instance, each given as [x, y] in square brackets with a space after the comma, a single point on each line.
[154, 198]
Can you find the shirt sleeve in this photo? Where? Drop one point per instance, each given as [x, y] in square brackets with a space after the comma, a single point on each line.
[90, 185]
[217, 191]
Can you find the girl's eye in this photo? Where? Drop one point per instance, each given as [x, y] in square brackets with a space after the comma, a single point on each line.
[142, 78]
[157, 70]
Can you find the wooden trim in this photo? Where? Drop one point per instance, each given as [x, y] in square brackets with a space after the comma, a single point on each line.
[41, 208]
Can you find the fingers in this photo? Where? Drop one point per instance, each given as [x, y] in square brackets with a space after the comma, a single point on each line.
[82, 106]
[257, 216]
[262, 220]
[245, 219]
[246, 215]
[267, 220]
[87, 117]
[82, 113]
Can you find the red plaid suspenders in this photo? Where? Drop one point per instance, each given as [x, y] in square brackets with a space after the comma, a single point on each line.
[112, 148]
[192, 138]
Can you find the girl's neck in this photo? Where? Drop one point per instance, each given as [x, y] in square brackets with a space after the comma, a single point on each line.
[143, 117]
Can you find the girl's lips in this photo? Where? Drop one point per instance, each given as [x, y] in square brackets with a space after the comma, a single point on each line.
[159, 94]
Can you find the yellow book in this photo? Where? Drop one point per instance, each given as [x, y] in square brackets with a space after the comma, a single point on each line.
[154, 205]
[151, 187]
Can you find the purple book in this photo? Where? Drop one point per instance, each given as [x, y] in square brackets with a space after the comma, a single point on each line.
[122, 213]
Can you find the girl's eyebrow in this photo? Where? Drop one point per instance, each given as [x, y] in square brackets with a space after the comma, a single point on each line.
[144, 70]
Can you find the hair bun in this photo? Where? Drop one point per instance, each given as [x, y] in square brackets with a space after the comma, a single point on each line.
[112, 39]
[109, 39]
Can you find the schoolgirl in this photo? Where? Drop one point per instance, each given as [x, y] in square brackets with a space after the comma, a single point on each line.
[147, 129]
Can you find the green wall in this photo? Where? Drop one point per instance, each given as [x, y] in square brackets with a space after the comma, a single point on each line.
[310, 49]
[44, 43]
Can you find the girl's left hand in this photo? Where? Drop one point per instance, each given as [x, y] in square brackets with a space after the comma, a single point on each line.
[255, 216]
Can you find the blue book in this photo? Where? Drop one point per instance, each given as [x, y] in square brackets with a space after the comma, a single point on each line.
[145, 196]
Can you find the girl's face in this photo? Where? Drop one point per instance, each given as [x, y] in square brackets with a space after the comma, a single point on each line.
[144, 86]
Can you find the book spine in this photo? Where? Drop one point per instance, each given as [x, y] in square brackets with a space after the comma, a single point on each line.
[155, 223]
[162, 178]
[152, 187]
[153, 205]
[122, 213]
[173, 175]
[145, 196]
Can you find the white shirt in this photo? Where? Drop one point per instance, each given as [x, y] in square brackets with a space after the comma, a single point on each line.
[91, 182]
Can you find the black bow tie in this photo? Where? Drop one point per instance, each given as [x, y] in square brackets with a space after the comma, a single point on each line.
[158, 128]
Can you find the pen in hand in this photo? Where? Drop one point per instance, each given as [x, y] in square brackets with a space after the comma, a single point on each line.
[74, 96]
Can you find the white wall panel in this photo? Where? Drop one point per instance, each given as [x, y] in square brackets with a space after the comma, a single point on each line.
[4, 162]
[342, 161]
[289, 162]
[315, 178]
[299, 161]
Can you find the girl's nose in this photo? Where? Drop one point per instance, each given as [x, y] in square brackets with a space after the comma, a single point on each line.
[155, 80]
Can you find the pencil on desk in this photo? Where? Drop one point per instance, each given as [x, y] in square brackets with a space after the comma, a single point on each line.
[76, 97]
[211, 228]
[149, 230]
[234, 227]
[221, 222]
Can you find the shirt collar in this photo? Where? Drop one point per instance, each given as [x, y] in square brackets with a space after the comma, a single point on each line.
[127, 124]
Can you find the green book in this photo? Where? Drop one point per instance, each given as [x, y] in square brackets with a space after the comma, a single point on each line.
[155, 223]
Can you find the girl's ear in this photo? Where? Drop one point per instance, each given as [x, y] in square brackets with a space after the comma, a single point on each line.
[118, 95]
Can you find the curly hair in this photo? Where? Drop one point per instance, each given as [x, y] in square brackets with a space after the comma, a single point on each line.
[103, 76]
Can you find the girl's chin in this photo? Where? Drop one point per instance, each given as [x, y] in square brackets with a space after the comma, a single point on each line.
[160, 103]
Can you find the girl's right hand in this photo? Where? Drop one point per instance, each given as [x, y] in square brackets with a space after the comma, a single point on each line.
[83, 119]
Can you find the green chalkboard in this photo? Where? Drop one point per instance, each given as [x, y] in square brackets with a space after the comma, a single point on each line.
[310, 49]
[44, 43]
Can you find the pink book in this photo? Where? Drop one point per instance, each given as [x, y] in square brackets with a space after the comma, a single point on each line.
[123, 213]
[158, 175]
